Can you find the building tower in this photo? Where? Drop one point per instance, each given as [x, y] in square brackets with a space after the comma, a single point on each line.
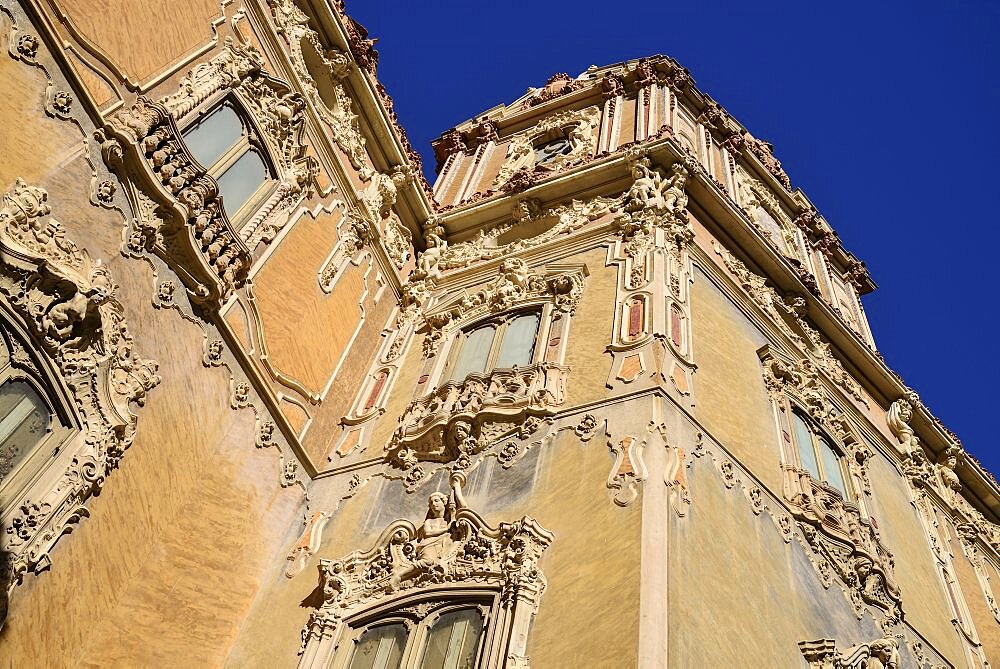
[602, 396]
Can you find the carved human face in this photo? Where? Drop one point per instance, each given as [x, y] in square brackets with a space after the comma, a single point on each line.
[436, 506]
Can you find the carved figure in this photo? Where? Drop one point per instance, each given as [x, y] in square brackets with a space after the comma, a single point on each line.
[898, 418]
[427, 263]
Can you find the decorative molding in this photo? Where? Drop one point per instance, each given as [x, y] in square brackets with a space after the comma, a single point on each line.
[330, 68]
[68, 301]
[629, 470]
[453, 550]
[460, 419]
[354, 234]
[879, 654]
[527, 212]
[577, 126]
[307, 544]
[786, 312]
[515, 284]
[193, 235]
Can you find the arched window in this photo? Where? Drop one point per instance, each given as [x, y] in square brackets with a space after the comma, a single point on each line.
[445, 636]
[30, 430]
[505, 342]
[817, 455]
[547, 152]
[226, 144]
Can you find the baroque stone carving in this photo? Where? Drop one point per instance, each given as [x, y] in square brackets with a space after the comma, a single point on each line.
[565, 219]
[453, 548]
[355, 233]
[194, 235]
[578, 128]
[559, 84]
[515, 283]
[464, 418]
[879, 654]
[786, 314]
[764, 152]
[843, 539]
[333, 66]
[67, 300]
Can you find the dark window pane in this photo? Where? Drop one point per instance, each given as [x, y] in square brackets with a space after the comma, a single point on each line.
[380, 648]
[519, 341]
[24, 422]
[214, 135]
[242, 180]
[454, 641]
[475, 352]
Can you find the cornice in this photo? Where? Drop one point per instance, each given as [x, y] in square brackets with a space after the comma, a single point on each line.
[374, 108]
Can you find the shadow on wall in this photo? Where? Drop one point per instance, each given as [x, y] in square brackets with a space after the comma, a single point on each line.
[6, 578]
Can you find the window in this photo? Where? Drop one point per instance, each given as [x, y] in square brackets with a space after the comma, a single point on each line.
[505, 343]
[27, 426]
[226, 144]
[448, 637]
[817, 455]
[549, 151]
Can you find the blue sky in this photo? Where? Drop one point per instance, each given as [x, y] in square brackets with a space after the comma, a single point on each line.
[884, 113]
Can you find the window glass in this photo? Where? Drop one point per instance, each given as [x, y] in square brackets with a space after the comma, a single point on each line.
[214, 135]
[453, 641]
[519, 341]
[24, 422]
[475, 352]
[831, 467]
[549, 151]
[803, 438]
[380, 648]
[242, 180]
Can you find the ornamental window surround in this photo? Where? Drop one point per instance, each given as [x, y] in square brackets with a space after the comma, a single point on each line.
[33, 424]
[817, 454]
[228, 145]
[507, 341]
[452, 592]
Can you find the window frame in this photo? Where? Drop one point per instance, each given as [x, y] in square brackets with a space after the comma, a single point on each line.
[501, 322]
[418, 627]
[61, 427]
[251, 139]
[817, 436]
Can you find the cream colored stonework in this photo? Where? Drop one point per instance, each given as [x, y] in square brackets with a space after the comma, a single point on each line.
[302, 464]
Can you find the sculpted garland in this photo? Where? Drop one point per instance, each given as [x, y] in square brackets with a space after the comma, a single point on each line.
[67, 300]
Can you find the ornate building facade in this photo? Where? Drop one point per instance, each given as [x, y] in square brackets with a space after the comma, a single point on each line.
[602, 396]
